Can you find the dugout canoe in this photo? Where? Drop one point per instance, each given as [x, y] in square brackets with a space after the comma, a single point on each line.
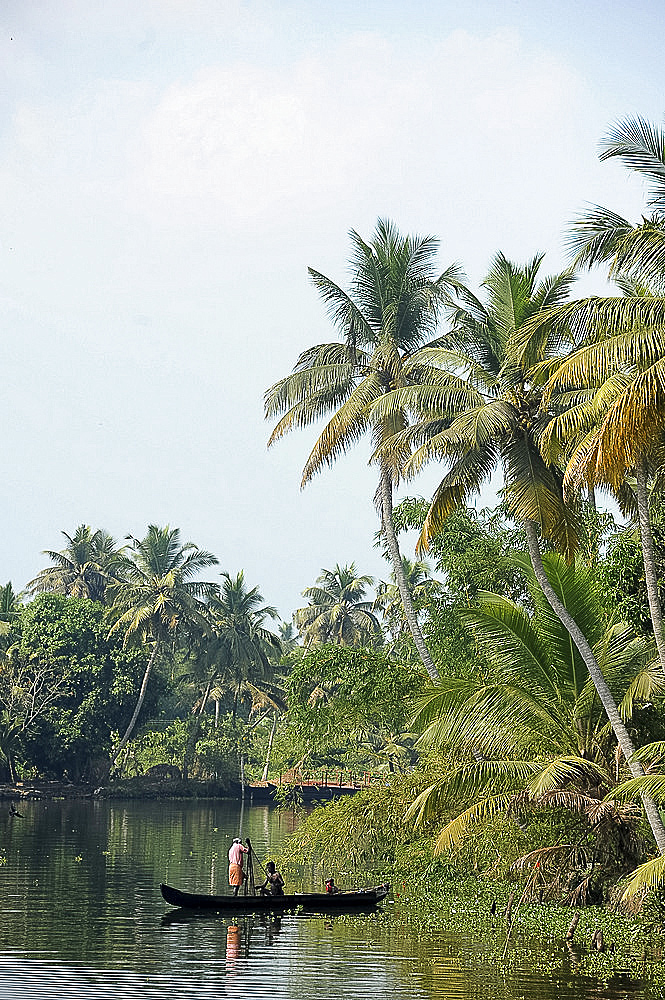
[350, 899]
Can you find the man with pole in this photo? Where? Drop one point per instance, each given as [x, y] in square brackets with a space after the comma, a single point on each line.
[236, 875]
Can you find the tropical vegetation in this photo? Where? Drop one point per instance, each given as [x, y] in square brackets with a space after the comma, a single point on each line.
[504, 696]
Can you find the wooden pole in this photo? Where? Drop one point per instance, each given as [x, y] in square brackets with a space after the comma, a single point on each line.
[570, 933]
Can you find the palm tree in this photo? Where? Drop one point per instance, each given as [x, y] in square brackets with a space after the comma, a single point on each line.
[536, 728]
[390, 311]
[624, 359]
[479, 406]
[337, 610]
[158, 599]
[602, 236]
[604, 447]
[288, 637]
[422, 587]
[10, 607]
[234, 656]
[85, 568]
[240, 646]
[486, 408]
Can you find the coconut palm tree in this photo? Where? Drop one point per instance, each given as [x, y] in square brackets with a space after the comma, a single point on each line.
[623, 361]
[240, 647]
[601, 439]
[534, 734]
[84, 568]
[158, 598]
[337, 610]
[480, 408]
[234, 656]
[485, 408]
[422, 587]
[390, 311]
[10, 607]
[600, 235]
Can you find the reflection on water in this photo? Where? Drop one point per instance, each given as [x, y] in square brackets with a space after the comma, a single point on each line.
[82, 916]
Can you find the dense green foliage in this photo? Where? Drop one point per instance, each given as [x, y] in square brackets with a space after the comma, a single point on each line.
[99, 681]
[347, 706]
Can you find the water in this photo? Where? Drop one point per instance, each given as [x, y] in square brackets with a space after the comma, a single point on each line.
[81, 916]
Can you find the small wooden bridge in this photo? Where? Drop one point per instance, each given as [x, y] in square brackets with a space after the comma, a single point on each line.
[309, 785]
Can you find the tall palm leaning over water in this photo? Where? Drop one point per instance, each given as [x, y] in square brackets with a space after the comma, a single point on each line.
[158, 598]
[390, 311]
[484, 409]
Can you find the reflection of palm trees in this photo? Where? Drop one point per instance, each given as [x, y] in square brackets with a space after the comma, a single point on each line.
[337, 610]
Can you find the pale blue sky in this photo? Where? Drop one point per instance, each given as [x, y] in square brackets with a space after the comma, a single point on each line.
[169, 169]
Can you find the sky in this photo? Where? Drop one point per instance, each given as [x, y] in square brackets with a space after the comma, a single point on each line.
[168, 171]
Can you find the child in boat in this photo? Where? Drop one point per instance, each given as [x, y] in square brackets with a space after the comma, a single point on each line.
[274, 883]
[236, 875]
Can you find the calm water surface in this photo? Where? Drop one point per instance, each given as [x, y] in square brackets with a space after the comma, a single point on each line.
[82, 916]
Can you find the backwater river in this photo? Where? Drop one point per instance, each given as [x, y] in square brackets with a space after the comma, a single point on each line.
[81, 916]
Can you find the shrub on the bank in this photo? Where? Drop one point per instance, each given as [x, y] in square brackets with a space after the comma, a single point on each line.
[550, 851]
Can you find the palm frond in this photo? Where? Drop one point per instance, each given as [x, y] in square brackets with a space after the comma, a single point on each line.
[652, 784]
[646, 877]
[640, 146]
[479, 812]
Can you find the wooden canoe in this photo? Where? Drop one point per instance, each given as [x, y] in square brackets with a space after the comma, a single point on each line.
[352, 899]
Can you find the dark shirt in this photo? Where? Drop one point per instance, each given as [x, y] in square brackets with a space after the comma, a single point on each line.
[274, 884]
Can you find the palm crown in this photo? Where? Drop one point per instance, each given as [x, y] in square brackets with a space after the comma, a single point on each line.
[337, 610]
[390, 311]
[478, 405]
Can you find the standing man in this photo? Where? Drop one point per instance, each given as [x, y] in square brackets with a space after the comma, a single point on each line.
[236, 852]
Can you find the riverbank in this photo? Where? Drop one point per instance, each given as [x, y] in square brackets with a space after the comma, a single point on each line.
[144, 787]
[476, 895]
[512, 930]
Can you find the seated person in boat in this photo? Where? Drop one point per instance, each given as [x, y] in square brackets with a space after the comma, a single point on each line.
[274, 883]
[236, 875]
[330, 885]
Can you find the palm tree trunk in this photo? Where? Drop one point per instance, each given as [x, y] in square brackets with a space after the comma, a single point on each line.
[649, 559]
[264, 776]
[139, 704]
[194, 735]
[596, 675]
[388, 528]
